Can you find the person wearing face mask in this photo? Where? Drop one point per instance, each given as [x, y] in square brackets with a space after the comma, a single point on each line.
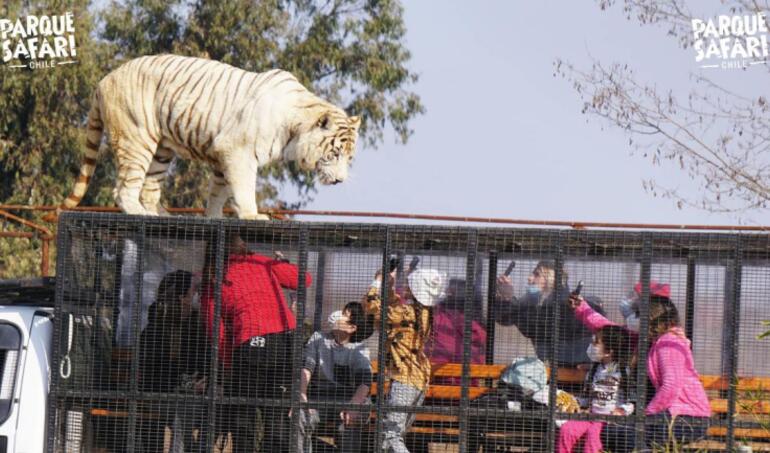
[606, 386]
[409, 319]
[337, 368]
[533, 314]
[679, 410]
[629, 308]
[629, 305]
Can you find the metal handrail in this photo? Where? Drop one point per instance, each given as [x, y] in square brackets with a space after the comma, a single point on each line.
[429, 217]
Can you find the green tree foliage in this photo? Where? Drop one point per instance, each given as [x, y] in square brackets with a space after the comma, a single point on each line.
[41, 129]
[351, 52]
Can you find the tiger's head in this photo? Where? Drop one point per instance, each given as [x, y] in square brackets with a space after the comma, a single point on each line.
[327, 145]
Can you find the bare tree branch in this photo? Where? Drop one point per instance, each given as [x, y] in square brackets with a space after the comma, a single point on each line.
[719, 138]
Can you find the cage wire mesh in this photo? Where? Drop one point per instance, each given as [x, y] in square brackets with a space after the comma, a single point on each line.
[182, 334]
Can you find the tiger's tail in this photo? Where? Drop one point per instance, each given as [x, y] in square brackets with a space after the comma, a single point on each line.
[95, 129]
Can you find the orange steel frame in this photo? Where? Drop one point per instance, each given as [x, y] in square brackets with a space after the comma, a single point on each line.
[47, 236]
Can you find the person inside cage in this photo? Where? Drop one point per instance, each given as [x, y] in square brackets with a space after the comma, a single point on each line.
[606, 389]
[445, 345]
[256, 331]
[408, 328]
[629, 305]
[629, 308]
[337, 368]
[173, 358]
[533, 314]
[679, 409]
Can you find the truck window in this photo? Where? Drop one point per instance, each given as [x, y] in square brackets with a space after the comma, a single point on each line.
[10, 345]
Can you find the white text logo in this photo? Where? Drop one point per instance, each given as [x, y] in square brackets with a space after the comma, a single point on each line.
[730, 42]
[38, 41]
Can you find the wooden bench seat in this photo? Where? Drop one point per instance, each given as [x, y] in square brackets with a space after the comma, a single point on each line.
[753, 404]
[756, 405]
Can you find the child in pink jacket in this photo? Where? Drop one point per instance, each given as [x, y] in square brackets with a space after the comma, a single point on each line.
[679, 393]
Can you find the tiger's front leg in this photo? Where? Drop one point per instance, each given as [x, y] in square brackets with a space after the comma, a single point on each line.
[241, 175]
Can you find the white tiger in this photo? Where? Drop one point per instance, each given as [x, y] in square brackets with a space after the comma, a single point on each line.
[156, 107]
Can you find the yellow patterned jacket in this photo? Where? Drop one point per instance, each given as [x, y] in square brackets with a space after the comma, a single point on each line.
[405, 358]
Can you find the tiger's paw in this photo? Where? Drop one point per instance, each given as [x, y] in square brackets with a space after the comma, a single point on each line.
[255, 217]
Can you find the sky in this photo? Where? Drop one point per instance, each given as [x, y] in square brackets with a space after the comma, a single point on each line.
[503, 137]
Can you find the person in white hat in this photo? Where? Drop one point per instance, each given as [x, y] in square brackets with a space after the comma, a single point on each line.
[408, 328]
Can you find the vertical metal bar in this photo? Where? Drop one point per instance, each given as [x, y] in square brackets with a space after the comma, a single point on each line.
[737, 269]
[118, 282]
[399, 285]
[384, 298]
[644, 321]
[319, 291]
[468, 308]
[219, 269]
[63, 244]
[491, 293]
[136, 317]
[727, 324]
[689, 311]
[298, 339]
[560, 305]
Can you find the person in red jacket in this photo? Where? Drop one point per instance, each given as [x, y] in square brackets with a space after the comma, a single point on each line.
[256, 331]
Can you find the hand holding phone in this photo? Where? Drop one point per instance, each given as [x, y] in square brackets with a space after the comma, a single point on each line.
[578, 288]
[574, 299]
[413, 264]
[509, 269]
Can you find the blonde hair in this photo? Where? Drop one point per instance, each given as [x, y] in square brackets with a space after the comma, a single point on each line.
[664, 316]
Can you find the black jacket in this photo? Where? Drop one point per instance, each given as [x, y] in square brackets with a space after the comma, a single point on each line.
[170, 348]
[535, 320]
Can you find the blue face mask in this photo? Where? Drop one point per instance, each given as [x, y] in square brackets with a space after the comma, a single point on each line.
[533, 290]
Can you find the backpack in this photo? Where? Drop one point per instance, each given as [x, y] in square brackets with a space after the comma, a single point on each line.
[526, 378]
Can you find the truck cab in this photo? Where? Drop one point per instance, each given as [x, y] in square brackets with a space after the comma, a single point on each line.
[26, 329]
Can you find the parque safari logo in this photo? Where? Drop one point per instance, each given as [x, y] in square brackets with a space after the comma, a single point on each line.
[730, 42]
[38, 41]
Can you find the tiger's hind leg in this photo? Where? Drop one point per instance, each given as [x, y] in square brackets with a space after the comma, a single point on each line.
[156, 174]
[219, 192]
[133, 163]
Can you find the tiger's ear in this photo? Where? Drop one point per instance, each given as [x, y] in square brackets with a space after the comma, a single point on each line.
[323, 121]
[355, 121]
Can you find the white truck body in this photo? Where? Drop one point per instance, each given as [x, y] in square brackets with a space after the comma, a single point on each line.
[25, 376]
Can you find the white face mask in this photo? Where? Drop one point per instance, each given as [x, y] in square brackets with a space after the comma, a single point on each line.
[632, 322]
[594, 353]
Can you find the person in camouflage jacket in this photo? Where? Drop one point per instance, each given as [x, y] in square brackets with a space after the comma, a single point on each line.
[408, 327]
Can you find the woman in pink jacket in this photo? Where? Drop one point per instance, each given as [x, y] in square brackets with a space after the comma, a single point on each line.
[680, 405]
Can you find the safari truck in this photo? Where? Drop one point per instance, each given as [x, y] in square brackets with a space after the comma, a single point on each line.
[71, 348]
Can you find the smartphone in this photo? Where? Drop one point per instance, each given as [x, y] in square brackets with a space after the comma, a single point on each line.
[509, 269]
[578, 288]
[413, 264]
